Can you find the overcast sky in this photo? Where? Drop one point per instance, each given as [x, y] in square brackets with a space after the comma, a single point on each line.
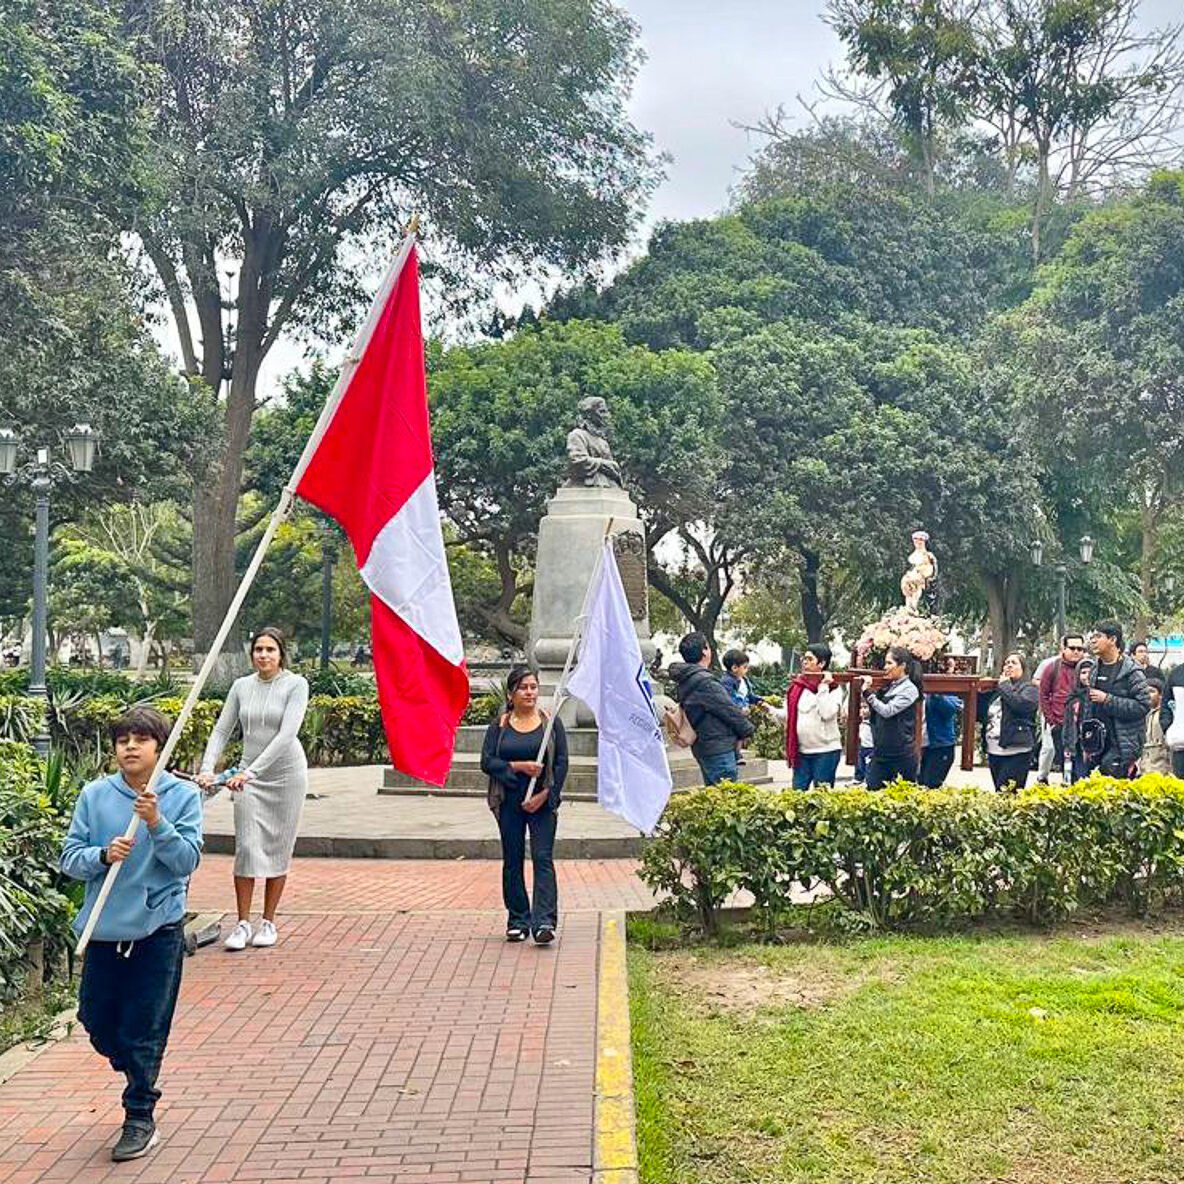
[711, 64]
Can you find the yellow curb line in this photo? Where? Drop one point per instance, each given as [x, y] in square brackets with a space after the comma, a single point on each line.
[614, 1158]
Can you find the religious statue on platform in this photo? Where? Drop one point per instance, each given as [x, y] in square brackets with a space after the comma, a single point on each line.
[590, 460]
[920, 581]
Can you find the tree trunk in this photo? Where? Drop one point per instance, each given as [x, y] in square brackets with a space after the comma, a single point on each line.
[215, 511]
[498, 616]
[146, 639]
[703, 617]
[1000, 599]
[813, 613]
[1150, 540]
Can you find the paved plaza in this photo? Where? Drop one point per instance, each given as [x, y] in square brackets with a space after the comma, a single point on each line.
[391, 1035]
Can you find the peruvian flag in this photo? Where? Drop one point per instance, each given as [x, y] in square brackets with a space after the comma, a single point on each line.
[371, 469]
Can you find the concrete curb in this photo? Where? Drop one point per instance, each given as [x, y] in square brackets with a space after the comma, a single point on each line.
[614, 1153]
[17, 1057]
[404, 847]
[20, 1055]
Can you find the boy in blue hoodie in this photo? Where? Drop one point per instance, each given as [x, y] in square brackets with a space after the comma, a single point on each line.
[132, 968]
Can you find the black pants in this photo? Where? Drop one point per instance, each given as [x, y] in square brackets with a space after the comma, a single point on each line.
[936, 764]
[126, 1003]
[886, 767]
[1011, 770]
[1178, 762]
[513, 823]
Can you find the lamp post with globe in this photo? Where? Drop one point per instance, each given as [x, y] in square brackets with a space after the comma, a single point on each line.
[41, 474]
[1085, 548]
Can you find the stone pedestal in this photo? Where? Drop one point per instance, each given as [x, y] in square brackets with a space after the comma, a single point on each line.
[570, 538]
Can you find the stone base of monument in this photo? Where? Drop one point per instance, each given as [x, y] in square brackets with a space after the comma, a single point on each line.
[465, 778]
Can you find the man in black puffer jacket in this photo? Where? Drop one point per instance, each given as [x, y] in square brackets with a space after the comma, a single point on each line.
[717, 721]
[1120, 698]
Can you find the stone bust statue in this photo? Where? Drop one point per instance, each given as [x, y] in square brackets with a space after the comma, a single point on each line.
[590, 460]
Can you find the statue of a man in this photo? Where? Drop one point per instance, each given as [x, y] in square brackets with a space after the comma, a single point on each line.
[921, 577]
[590, 460]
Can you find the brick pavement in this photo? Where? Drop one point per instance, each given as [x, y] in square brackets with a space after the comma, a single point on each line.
[371, 1043]
[421, 885]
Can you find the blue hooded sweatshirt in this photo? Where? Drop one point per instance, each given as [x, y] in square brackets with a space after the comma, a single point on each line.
[150, 889]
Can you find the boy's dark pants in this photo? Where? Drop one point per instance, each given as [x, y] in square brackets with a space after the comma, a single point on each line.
[126, 1003]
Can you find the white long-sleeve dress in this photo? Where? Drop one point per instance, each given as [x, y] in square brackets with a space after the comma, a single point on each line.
[267, 811]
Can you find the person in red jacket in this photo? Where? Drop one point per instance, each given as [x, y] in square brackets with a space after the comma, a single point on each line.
[1057, 683]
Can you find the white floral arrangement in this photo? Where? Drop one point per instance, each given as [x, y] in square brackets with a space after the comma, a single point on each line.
[919, 635]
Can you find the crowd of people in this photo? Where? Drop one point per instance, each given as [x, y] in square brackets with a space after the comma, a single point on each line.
[1093, 707]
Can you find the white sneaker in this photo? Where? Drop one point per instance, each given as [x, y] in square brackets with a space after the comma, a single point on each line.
[266, 936]
[239, 936]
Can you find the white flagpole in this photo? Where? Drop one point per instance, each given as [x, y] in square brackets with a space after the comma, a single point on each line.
[283, 508]
[560, 692]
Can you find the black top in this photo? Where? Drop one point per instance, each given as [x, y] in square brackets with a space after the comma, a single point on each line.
[1125, 709]
[505, 744]
[717, 721]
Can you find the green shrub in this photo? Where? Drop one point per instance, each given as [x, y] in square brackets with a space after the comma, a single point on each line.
[34, 817]
[482, 709]
[768, 740]
[346, 730]
[907, 855]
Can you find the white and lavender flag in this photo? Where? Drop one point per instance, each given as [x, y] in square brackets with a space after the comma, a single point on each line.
[633, 780]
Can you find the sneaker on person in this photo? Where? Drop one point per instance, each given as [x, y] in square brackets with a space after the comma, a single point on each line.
[137, 1138]
[239, 936]
[544, 935]
[267, 935]
[515, 933]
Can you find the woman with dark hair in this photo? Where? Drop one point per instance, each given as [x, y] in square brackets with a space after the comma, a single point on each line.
[270, 785]
[509, 757]
[894, 719]
[812, 702]
[1076, 712]
[1011, 726]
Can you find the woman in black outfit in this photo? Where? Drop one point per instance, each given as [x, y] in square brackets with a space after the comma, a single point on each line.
[1011, 726]
[510, 757]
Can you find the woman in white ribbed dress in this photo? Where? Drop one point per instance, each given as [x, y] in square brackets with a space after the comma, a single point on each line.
[271, 784]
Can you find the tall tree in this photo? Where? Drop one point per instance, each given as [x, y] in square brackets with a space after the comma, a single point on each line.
[1077, 86]
[922, 55]
[1100, 348]
[74, 345]
[290, 130]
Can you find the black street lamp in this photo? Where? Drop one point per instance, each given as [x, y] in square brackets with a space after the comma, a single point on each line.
[40, 474]
[1085, 548]
[328, 558]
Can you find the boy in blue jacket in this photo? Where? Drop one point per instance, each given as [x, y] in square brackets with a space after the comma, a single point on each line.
[132, 968]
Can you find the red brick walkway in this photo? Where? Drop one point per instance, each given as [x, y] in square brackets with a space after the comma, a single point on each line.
[420, 885]
[370, 1043]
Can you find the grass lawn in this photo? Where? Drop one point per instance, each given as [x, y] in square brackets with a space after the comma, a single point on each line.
[1029, 1059]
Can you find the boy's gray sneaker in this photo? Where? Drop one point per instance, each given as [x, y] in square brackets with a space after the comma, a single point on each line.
[138, 1138]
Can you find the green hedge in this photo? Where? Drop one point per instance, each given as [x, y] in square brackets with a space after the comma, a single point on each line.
[35, 806]
[339, 729]
[907, 855]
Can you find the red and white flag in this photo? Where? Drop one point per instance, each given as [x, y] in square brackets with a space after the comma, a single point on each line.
[371, 469]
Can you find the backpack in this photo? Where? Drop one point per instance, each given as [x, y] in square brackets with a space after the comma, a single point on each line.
[678, 727]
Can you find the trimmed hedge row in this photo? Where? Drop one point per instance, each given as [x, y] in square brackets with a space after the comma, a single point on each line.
[908, 855]
[338, 730]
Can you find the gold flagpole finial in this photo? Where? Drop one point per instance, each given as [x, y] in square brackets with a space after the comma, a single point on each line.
[413, 225]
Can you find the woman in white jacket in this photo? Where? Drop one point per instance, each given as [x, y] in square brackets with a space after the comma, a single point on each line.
[813, 740]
